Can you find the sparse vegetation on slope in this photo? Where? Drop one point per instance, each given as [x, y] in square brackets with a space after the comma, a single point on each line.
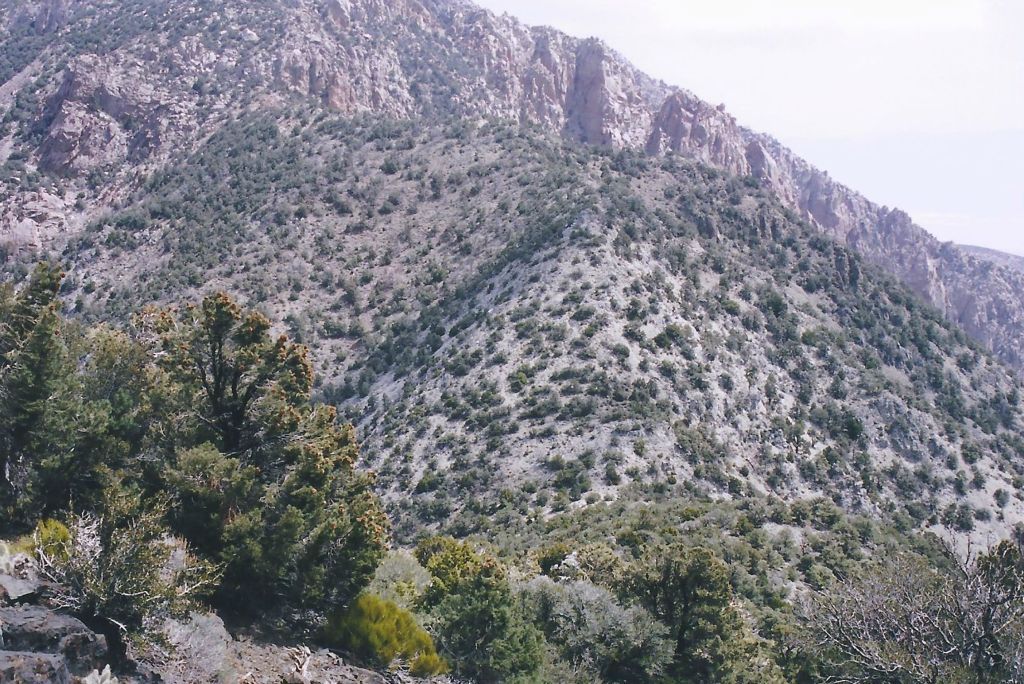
[560, 322]
[204, 473]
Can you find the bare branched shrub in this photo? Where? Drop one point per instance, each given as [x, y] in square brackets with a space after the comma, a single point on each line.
[599, 638]
[125, 571]
[907, 622]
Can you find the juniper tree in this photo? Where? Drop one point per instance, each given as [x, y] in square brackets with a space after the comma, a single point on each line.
[262, 480]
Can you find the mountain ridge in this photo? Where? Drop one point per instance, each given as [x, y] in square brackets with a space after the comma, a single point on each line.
[999, 257]
[350, 57]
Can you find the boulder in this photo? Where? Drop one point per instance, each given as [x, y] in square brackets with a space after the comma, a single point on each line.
[37, 629]
[28, 668]
[17, 590]
[201, 650]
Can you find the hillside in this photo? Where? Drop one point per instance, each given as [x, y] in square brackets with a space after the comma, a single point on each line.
[171, 72]
[496, 308]
[580, 316]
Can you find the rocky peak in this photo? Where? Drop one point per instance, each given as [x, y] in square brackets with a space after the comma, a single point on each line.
[689, 126]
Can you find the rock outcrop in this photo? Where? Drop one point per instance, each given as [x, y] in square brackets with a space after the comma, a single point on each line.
[65, 641]
[38, 644]
[42, 645]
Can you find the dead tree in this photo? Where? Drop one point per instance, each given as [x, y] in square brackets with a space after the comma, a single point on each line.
[905, 621]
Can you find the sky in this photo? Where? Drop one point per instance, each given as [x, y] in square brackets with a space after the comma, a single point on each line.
[917, 104]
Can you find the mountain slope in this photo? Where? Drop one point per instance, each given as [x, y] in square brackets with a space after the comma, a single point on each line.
[530, 274]
[510, 317]
[171, 72]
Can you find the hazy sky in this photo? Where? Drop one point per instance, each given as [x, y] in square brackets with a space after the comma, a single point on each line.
[916, 103]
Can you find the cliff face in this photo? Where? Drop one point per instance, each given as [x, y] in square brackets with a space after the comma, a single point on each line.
[100, 93]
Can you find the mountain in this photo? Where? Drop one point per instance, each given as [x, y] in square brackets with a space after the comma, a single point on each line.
[645, 397]
[170, 72]
[529, 273]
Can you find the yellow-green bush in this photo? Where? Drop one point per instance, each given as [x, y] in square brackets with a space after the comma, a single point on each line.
[381, 632]
[53, 538]
[427, 665]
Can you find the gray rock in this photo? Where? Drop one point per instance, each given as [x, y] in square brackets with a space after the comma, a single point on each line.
[201, 650]
[37, 629]
[22, 668]
[17, 590]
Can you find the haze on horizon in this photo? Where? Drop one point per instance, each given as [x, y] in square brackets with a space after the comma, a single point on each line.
[917, 104]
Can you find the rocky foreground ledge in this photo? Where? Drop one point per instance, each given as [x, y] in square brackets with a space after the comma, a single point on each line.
[39, 643]
[42, 645]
